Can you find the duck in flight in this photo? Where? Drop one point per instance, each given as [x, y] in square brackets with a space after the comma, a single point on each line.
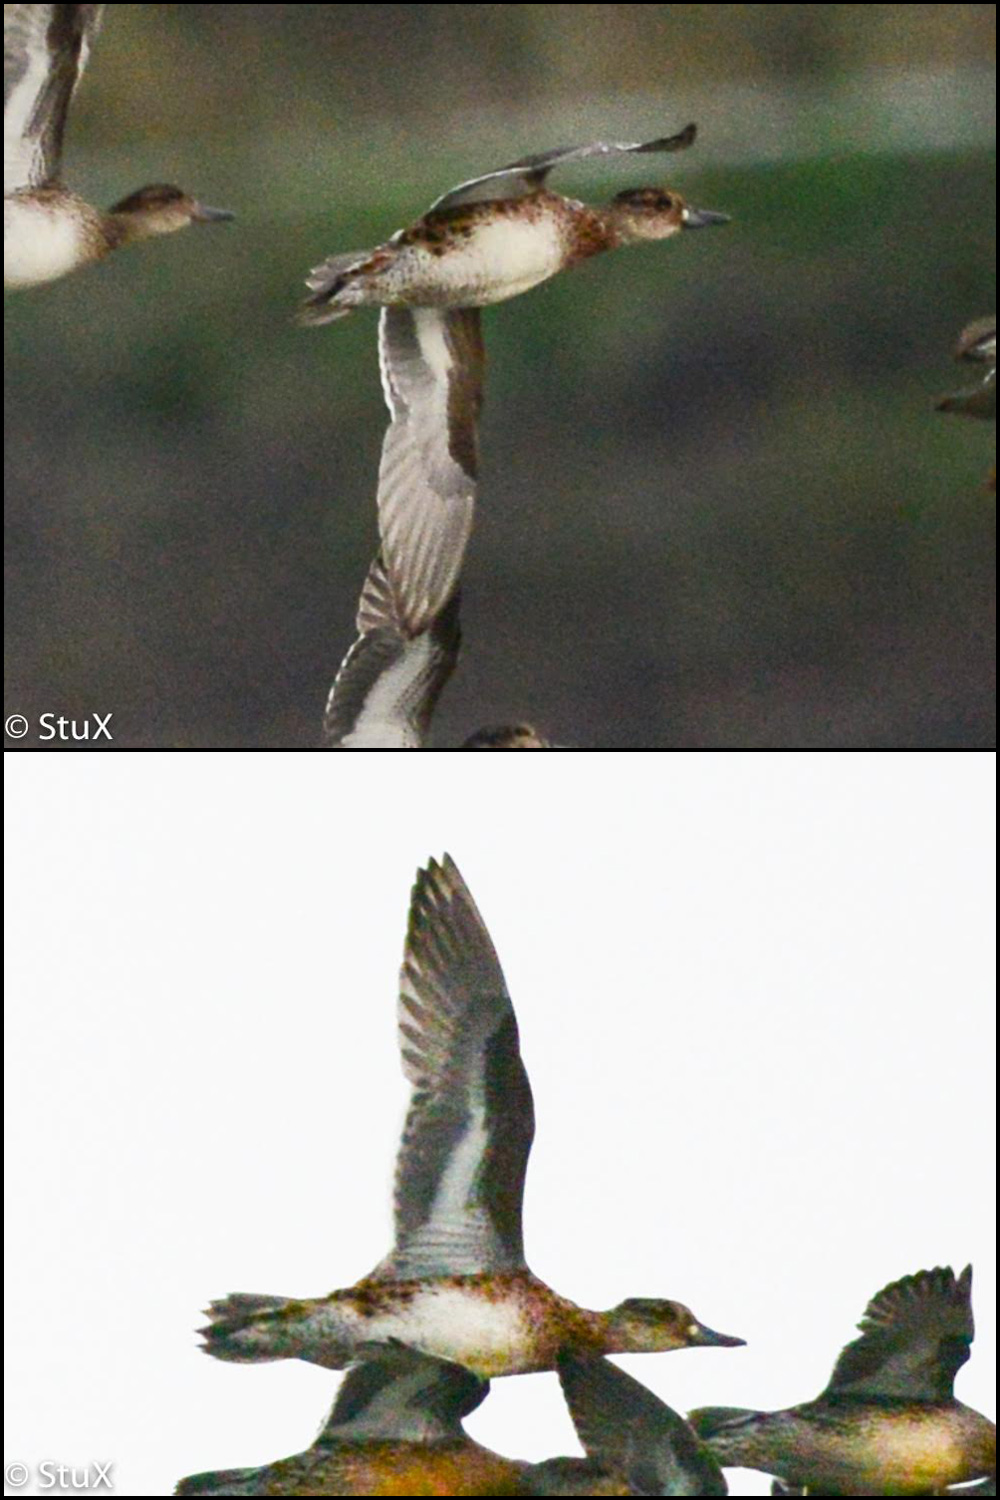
[389, 682]
[48, 230]
[888, 1422]
[456, 1284]
[485, 241]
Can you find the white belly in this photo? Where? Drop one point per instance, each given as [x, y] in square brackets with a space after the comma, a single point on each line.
[497, 261]
[454, 1323]
[38, 244]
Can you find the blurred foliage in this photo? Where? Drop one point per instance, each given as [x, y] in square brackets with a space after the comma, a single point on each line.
[717, 507]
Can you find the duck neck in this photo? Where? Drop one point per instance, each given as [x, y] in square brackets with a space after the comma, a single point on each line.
[593, 230]
[129, 228]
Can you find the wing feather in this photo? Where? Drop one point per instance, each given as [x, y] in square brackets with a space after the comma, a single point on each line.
[432, 372]
[915, 1336]
[528, 175]
[389, 682]
[45, 50]
[462, 1163]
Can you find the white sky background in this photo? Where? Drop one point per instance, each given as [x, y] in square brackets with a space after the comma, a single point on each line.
[755, 994]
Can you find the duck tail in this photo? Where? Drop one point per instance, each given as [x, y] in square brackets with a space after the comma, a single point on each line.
[245, 1328]
[325, 283]
[707, 1421]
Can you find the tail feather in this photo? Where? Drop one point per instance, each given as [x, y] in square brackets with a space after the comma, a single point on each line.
[243, 1304]
[325, 282]
[250, 1329]
[240, 1331]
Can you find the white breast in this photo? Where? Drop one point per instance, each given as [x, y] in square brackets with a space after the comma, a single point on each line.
[497, 261]
[517, 253]
[39, 244]
[460, 1324]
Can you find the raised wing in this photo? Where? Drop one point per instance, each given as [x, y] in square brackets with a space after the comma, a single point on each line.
[915, 1336]
[45, 50]
[432, 365]
[389, 682]
[634, 1435]
[462, 1162]
[400, 1395]
[527, 175]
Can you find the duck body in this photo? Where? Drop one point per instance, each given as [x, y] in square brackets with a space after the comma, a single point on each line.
[380, 1467]
[493, 1323]
[474, 254]
[860, 1447]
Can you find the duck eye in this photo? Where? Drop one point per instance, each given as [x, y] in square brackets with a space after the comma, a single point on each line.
[666, 200]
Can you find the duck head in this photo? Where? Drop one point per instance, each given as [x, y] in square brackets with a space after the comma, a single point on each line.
[656, 214]
[647, 1324]
[162, 209]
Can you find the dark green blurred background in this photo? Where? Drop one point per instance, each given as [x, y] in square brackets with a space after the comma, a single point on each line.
[717, 507]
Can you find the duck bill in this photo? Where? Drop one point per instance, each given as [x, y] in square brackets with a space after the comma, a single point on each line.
[702, 218]
[205, 215]
[711, 1339]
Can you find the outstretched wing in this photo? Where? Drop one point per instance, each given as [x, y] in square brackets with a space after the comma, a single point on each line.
[45, 50]
[527, 175]
[389, 681]
[634, 1435]
[432, 372]
[915, 1336]
[462, 1162]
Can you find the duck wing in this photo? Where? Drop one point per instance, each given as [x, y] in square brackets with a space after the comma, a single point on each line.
[432, 364]
[915, 1336]
[45, 50]
[462, 1162]
[397, 1394]
[529, 174]
[389, 682]
[632, 1434]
